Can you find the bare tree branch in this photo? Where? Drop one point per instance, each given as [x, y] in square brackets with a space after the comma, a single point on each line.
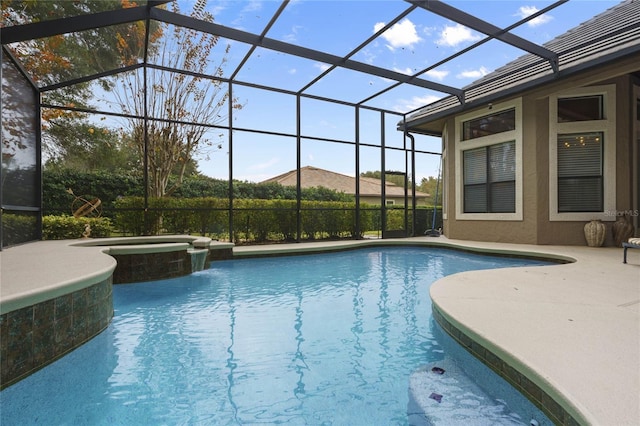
[175, 99]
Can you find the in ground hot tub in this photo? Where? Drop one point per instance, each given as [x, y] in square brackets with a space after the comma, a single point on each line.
[159, 257]
[58, 294]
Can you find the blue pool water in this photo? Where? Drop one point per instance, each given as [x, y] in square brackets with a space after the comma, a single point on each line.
[328, 339]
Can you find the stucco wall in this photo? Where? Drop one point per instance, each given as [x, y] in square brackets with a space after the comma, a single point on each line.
[571, 233]
[521, 231]
[398, 201]
[535, 226]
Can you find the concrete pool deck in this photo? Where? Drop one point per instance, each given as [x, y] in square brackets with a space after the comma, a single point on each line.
[571, 329]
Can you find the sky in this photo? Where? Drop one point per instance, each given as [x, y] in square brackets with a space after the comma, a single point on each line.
[414, 43]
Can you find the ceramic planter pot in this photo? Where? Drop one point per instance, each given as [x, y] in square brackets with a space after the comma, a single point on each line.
[622, 230]
[594, 233]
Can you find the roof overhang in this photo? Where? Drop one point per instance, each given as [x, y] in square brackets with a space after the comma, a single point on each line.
[592, 48]
[622, 62]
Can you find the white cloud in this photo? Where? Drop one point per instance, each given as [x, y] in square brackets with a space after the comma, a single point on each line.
[402, 34]
[292, 37]
[525, 11]
[437, 74]
[428, 31]
[369, 56]
[322, 67]
[252, 6]
[217, 10]
[480, 72]
[262, 166]
[453, 35]
[433, 74]
[406, 105]
[406, 71]
[293, 71]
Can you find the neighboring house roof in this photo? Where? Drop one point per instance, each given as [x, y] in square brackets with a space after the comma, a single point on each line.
[311, 177]
[611, 35]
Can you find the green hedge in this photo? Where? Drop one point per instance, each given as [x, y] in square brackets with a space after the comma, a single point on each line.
[254, 219]
[109, 187]
[18, 228]
[69, 227]
[104, 185]
[206, 216]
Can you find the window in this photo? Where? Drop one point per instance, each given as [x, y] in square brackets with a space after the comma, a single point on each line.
[488, 163]
[499, 122]
[580, 172]
[489, 179]
[582, 154]
[580, 108]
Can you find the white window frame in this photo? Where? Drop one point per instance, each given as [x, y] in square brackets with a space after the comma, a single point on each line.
[443, 168]
[498, 138]
[608, 127]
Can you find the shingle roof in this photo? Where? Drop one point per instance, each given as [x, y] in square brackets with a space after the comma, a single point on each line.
[311, 177]
[608, 36]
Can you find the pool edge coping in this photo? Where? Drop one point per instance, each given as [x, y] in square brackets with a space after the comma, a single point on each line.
[572, 414]
[549, 253]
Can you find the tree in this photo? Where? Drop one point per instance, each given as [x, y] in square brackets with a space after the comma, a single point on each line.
[63, 57]
[178, 103]
[93, 148]
[392, 177]
[430, 186]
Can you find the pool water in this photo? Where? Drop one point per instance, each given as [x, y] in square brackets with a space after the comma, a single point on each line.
[329, 339]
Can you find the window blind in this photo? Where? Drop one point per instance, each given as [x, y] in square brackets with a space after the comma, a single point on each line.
[580, 177]
[489, 179]
[475, 166]
[502, 162]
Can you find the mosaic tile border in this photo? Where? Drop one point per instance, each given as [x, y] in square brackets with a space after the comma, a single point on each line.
[132, 268]
[140, 267]
[530, 390]
[35, 336]
[220, 253]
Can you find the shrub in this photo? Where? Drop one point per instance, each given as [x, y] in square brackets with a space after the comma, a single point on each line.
[18, 228]
[107, 186]
[129, 216]
[257, 220]
[69, 227]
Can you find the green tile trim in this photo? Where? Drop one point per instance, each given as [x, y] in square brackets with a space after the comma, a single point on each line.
[35, 336]
[526, 387]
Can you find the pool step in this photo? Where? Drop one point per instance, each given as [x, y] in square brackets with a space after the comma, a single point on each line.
[441, 393]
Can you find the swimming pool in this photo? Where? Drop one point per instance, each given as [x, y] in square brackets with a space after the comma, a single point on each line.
[317, 339]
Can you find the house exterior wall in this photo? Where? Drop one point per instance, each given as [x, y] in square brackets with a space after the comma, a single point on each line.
[536, 225]
[571, 232]
[370, 200]
[397, 201]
